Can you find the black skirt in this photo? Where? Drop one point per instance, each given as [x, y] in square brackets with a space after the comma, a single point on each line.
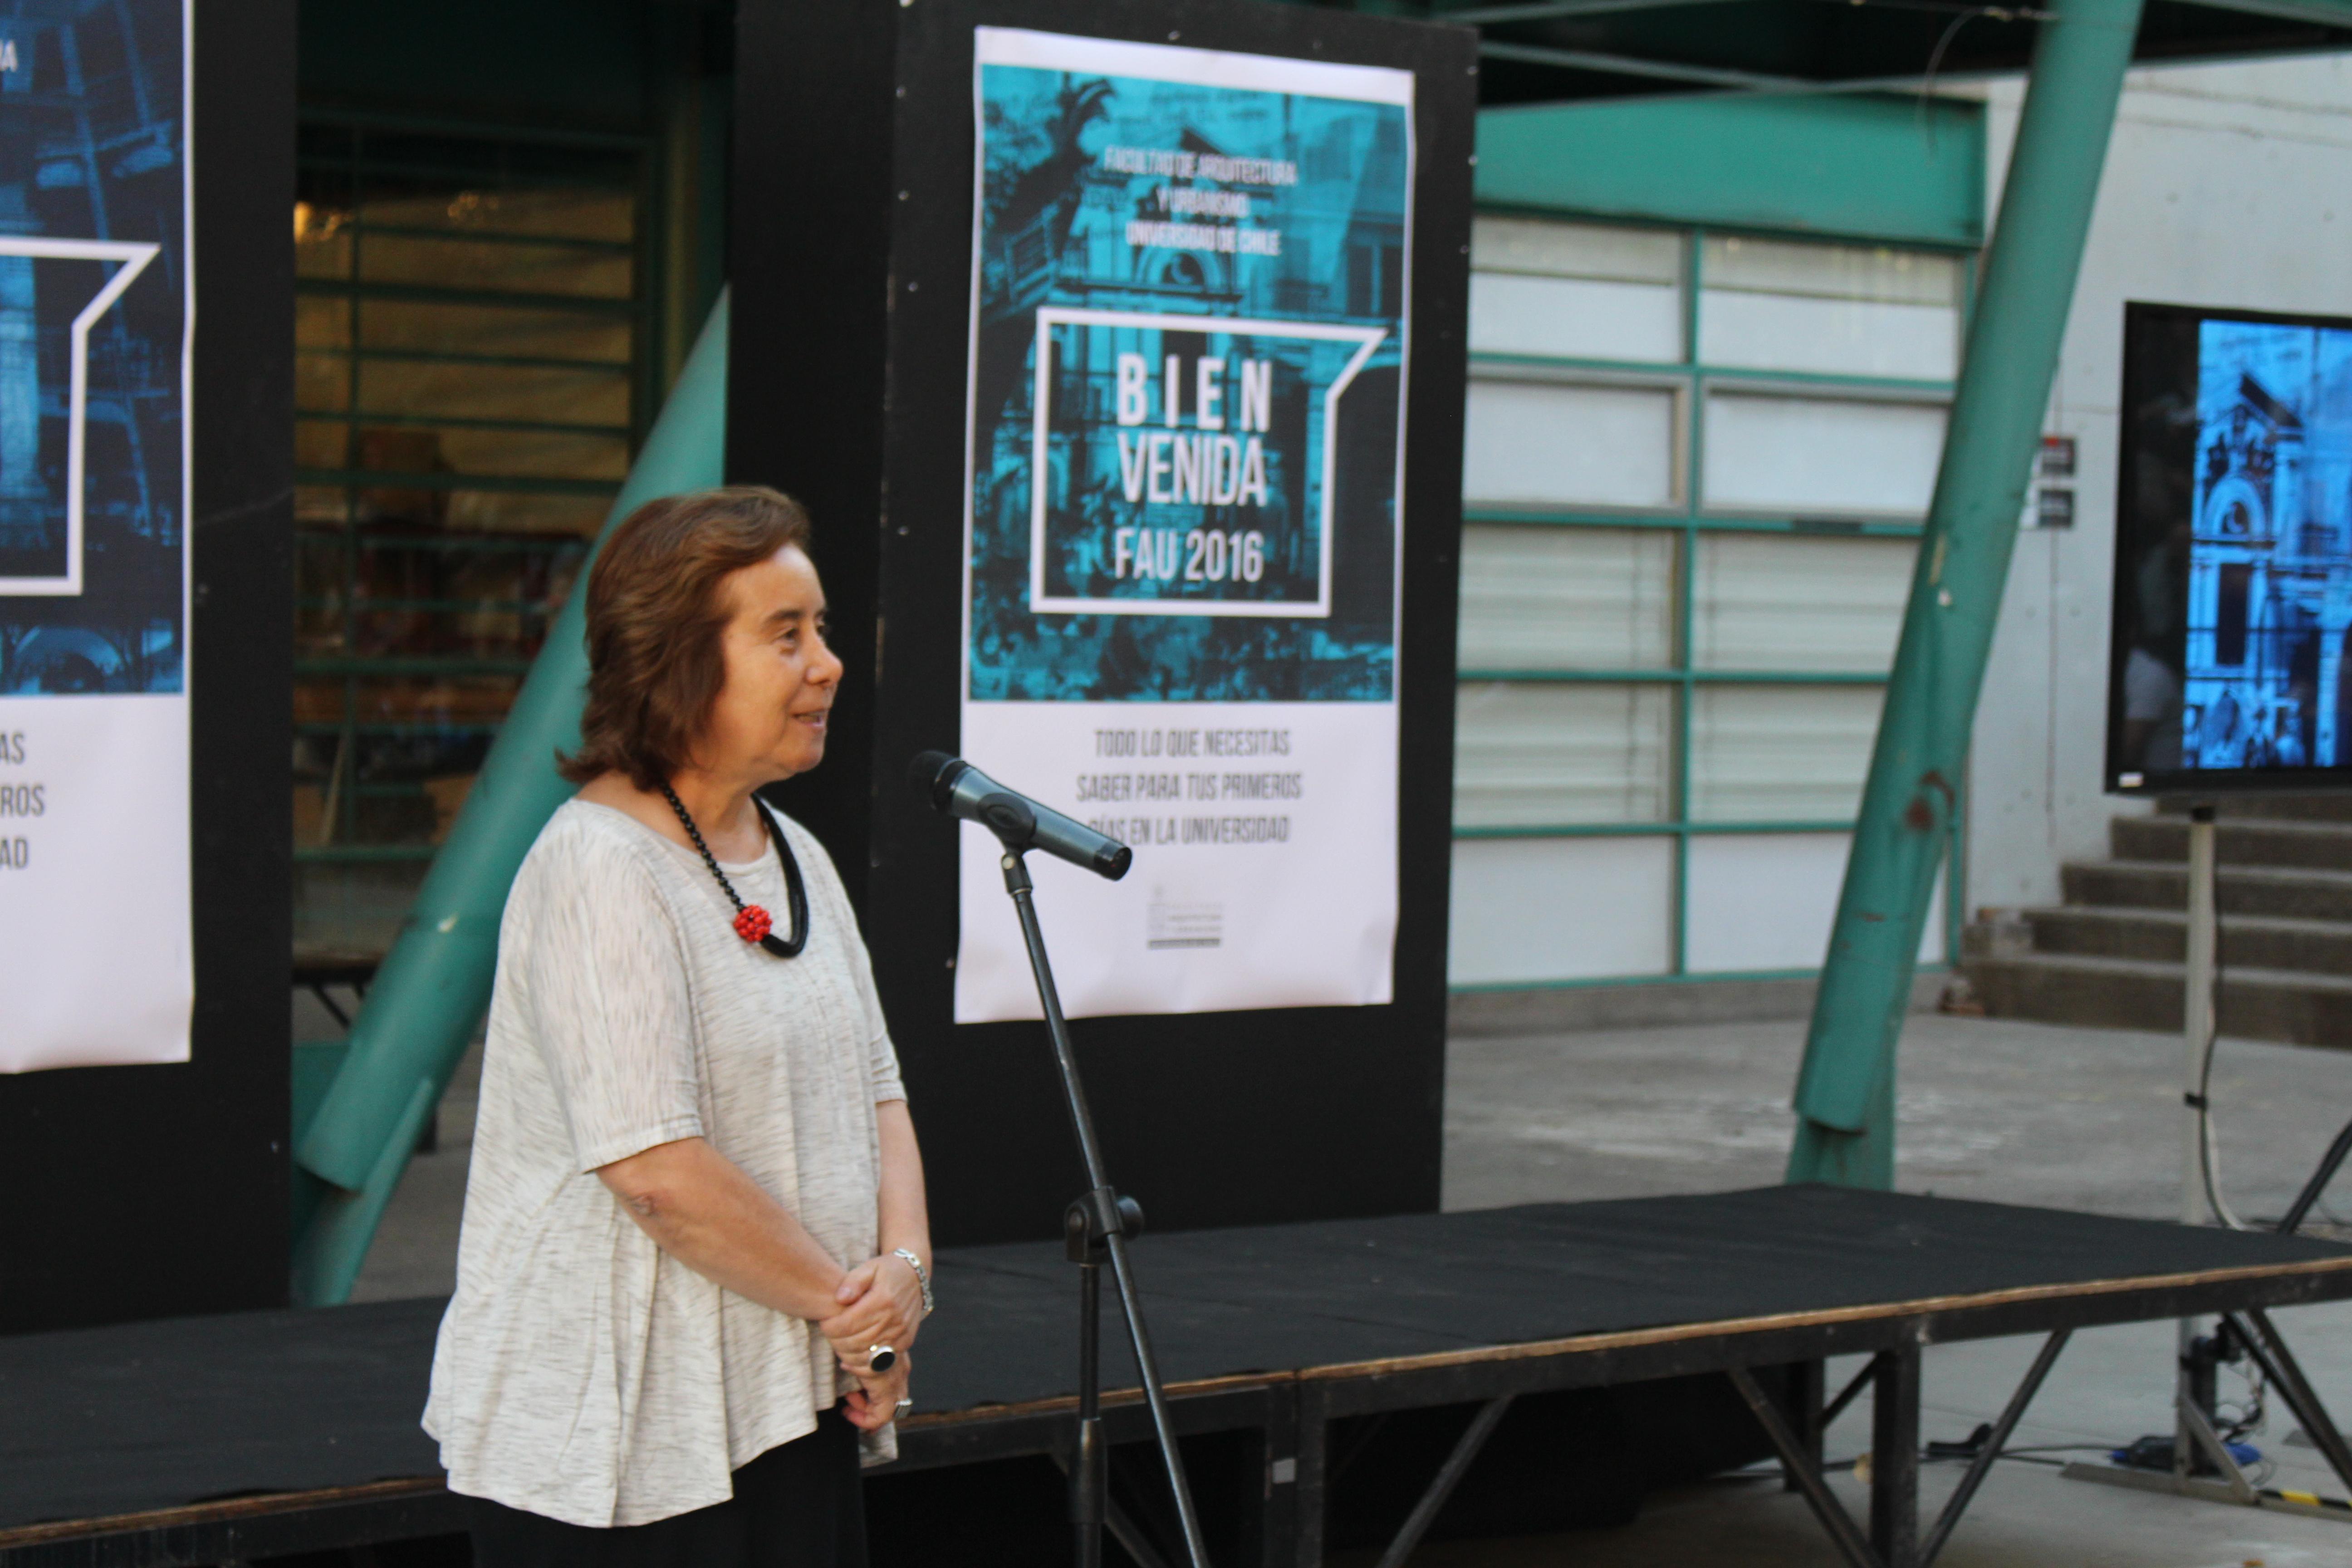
[797, 1506]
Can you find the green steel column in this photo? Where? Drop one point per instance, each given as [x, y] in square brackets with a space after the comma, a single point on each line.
[1845, 1092]
[435, 982]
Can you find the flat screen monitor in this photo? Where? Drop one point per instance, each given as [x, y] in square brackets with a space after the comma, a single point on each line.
[2233, 554]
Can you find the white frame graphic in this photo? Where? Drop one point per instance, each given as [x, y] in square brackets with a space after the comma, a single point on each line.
[134, 255]
[1051, 316]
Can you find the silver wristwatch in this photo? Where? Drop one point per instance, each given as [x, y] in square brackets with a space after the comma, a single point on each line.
[922, 1276]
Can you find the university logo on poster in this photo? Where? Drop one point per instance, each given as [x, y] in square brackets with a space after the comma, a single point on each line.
[94, 311]
[1189, 334]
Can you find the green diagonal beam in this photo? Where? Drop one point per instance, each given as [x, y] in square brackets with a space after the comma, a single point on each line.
[1846, 1091]
[431, 992]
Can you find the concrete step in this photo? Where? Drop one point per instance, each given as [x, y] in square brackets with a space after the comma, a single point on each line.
[2293, 894]
[2248, 842]
[2253, 942]
[2271, 808]
[2141, 994]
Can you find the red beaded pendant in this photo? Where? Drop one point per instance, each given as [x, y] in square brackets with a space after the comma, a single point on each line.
[751, 922]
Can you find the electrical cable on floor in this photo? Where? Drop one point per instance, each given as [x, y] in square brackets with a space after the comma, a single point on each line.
[2251, 1414]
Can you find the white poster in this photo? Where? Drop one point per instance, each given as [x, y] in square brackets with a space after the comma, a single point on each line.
[97, 306]
[1182, 528]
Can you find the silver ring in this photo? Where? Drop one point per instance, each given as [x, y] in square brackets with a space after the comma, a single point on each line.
[905, 1406]
[880, 1358]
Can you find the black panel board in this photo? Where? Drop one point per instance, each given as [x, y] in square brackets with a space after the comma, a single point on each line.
[852, 282]
[147, 1191]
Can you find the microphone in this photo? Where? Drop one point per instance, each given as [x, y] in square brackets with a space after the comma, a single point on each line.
[958, 789]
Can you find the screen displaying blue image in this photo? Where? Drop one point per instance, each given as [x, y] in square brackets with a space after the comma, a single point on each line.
[2233, 563]
[2269, 558]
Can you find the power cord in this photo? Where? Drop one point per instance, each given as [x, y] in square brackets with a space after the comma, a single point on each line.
[2209, 1137]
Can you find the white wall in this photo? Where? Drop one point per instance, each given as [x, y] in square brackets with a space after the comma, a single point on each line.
[2225, 185]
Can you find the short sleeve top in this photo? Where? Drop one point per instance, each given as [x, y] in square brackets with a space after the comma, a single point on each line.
[582, 1372]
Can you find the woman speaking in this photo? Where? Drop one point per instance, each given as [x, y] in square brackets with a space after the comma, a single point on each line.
[695, 1253]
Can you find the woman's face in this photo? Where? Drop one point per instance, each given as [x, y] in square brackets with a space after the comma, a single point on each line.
[770, 718]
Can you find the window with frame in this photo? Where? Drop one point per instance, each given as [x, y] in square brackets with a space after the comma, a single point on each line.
[1695, 472]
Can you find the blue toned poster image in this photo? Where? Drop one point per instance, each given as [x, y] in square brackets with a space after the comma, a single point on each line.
[96, 294]
[93, 319]
[2269, 596]
[1189, 333]
[1190, 324]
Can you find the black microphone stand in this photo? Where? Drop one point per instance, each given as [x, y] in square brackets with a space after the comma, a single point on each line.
[1094, 1228]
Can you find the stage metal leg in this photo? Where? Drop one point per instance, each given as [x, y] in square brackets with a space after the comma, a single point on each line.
[2278, 1364]
[1449, 1475]
[1811, 1392]
[1269, 1510]
[1829, 1413]
[1894, 1457]
[1850, 1393]
[1314, 1469]
[1981, 1465]
[1130, 1536]
[1826, 1508]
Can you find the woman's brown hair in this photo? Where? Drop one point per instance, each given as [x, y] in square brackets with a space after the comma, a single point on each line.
[654, 618]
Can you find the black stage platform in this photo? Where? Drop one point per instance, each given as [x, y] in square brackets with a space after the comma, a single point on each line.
[197, 1440]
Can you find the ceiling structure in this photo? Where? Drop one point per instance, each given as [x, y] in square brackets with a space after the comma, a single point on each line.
[1537, 51]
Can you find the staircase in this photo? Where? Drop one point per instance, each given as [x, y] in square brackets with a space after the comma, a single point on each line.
[2112, 954]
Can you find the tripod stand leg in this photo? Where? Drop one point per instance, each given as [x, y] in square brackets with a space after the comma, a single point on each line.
[1089, 1469]
[1138, 1339]
[1098, 1220]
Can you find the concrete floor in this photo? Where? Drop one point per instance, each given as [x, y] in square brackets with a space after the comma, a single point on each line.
[2080, 1118]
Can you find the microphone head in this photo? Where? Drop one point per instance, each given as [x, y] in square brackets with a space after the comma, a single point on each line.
[935, 774]
[1112, 864]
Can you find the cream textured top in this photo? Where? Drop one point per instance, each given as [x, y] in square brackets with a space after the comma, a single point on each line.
[582, 1372]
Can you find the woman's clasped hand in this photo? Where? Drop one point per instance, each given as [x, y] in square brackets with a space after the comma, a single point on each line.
[881, 1304]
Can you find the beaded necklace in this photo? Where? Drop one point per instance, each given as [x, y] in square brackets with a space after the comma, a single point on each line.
[753, 924]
